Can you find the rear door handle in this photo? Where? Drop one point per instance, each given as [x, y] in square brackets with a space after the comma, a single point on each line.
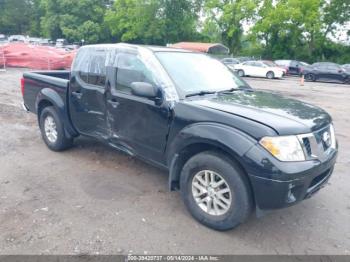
[114, 103]
[77, 94]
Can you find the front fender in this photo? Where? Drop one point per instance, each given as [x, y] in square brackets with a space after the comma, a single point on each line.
[227, 138]
[51, 96]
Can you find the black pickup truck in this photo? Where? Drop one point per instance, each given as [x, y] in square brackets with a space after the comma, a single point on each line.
[228, 148]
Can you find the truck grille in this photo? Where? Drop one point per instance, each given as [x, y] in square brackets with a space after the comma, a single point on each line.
[324, 137]
[307, 146]
[319, 143]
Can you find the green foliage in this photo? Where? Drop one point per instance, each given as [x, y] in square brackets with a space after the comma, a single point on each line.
[74, 20]
[290, 29]
[153, 21]
[18, 16]
[299, 29]
[211, 31]
[229, 16]
[134, 21]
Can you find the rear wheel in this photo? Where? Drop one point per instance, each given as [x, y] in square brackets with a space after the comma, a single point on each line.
[240, 73]
[215, 191]
[52, 130]
[270, 75]
[310, 77]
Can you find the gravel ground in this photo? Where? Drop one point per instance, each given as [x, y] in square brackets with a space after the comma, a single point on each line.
[94, 200]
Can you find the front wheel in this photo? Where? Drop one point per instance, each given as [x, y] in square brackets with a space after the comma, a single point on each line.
[52, 130]
[240, 73]
[215, 191]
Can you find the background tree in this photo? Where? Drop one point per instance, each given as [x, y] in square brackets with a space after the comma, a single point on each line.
[272, 29]
[135, 21]
[17, 16]
[153, 21]
[230, 17]
[74, 20]
[299, 29]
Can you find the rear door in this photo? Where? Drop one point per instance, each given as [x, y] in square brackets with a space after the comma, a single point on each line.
[321, 71]
[87, 92]
[335, 72]
[139, 125]
[259, 69]
[249, 69]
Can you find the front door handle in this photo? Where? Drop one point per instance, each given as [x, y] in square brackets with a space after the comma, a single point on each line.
[114, 103]
[77, 94]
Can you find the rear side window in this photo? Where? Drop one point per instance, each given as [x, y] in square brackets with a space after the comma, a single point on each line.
[90, 65]
[97, 68]
[333, 67]
[131, 69]
[282, 62]
[257, 64]
[294, 64]
[81, 64]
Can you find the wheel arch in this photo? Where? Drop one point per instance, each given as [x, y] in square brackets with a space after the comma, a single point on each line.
[49, 97]
[207, 137]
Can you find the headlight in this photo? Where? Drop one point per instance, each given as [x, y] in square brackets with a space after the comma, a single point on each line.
[284, 148]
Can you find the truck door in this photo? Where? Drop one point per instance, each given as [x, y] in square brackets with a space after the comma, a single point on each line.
[138, 125]
[87, 92]
[294, 67]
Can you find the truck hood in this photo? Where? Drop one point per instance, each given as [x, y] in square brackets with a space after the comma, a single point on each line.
[286, 116]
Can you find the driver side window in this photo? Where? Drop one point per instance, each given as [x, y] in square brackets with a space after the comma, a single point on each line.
[131, 69]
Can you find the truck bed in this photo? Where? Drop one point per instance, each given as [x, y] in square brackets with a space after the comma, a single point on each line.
[34, 82]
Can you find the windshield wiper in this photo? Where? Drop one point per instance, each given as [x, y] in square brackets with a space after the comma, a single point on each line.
[239, 88]
[201, 93]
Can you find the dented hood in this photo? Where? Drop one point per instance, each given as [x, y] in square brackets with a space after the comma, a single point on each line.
[286, 116]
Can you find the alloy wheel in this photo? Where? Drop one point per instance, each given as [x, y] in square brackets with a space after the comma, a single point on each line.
[211, 193]
[50, 129]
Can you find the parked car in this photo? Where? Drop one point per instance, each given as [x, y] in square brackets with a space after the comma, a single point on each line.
[45, 42]
[71, 47]
[3, 39]
[259, 69]
[60, 43]
[17, 38]
[293, 67]
[228, 148]
[34, 40]
[245, 58]
[346, 67]
[325, 71]
[230, 62]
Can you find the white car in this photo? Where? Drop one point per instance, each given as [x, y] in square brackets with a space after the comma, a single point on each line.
[260, 69]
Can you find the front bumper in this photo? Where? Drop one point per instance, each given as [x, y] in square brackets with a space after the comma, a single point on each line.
[281, 184]
[24, 107]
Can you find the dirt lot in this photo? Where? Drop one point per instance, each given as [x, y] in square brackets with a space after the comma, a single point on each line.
[94, 200]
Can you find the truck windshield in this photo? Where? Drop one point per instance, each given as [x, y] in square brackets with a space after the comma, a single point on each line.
[199, 73]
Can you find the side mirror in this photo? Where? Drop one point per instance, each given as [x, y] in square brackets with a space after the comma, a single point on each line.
[144, 89]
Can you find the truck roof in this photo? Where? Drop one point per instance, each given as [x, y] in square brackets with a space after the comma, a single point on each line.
[153, 48]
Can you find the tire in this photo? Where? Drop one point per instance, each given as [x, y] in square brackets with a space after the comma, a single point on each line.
[239, 192]
[270, 75]
[347, 80]
[52, 130]
[310, 77]
[240, 73]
